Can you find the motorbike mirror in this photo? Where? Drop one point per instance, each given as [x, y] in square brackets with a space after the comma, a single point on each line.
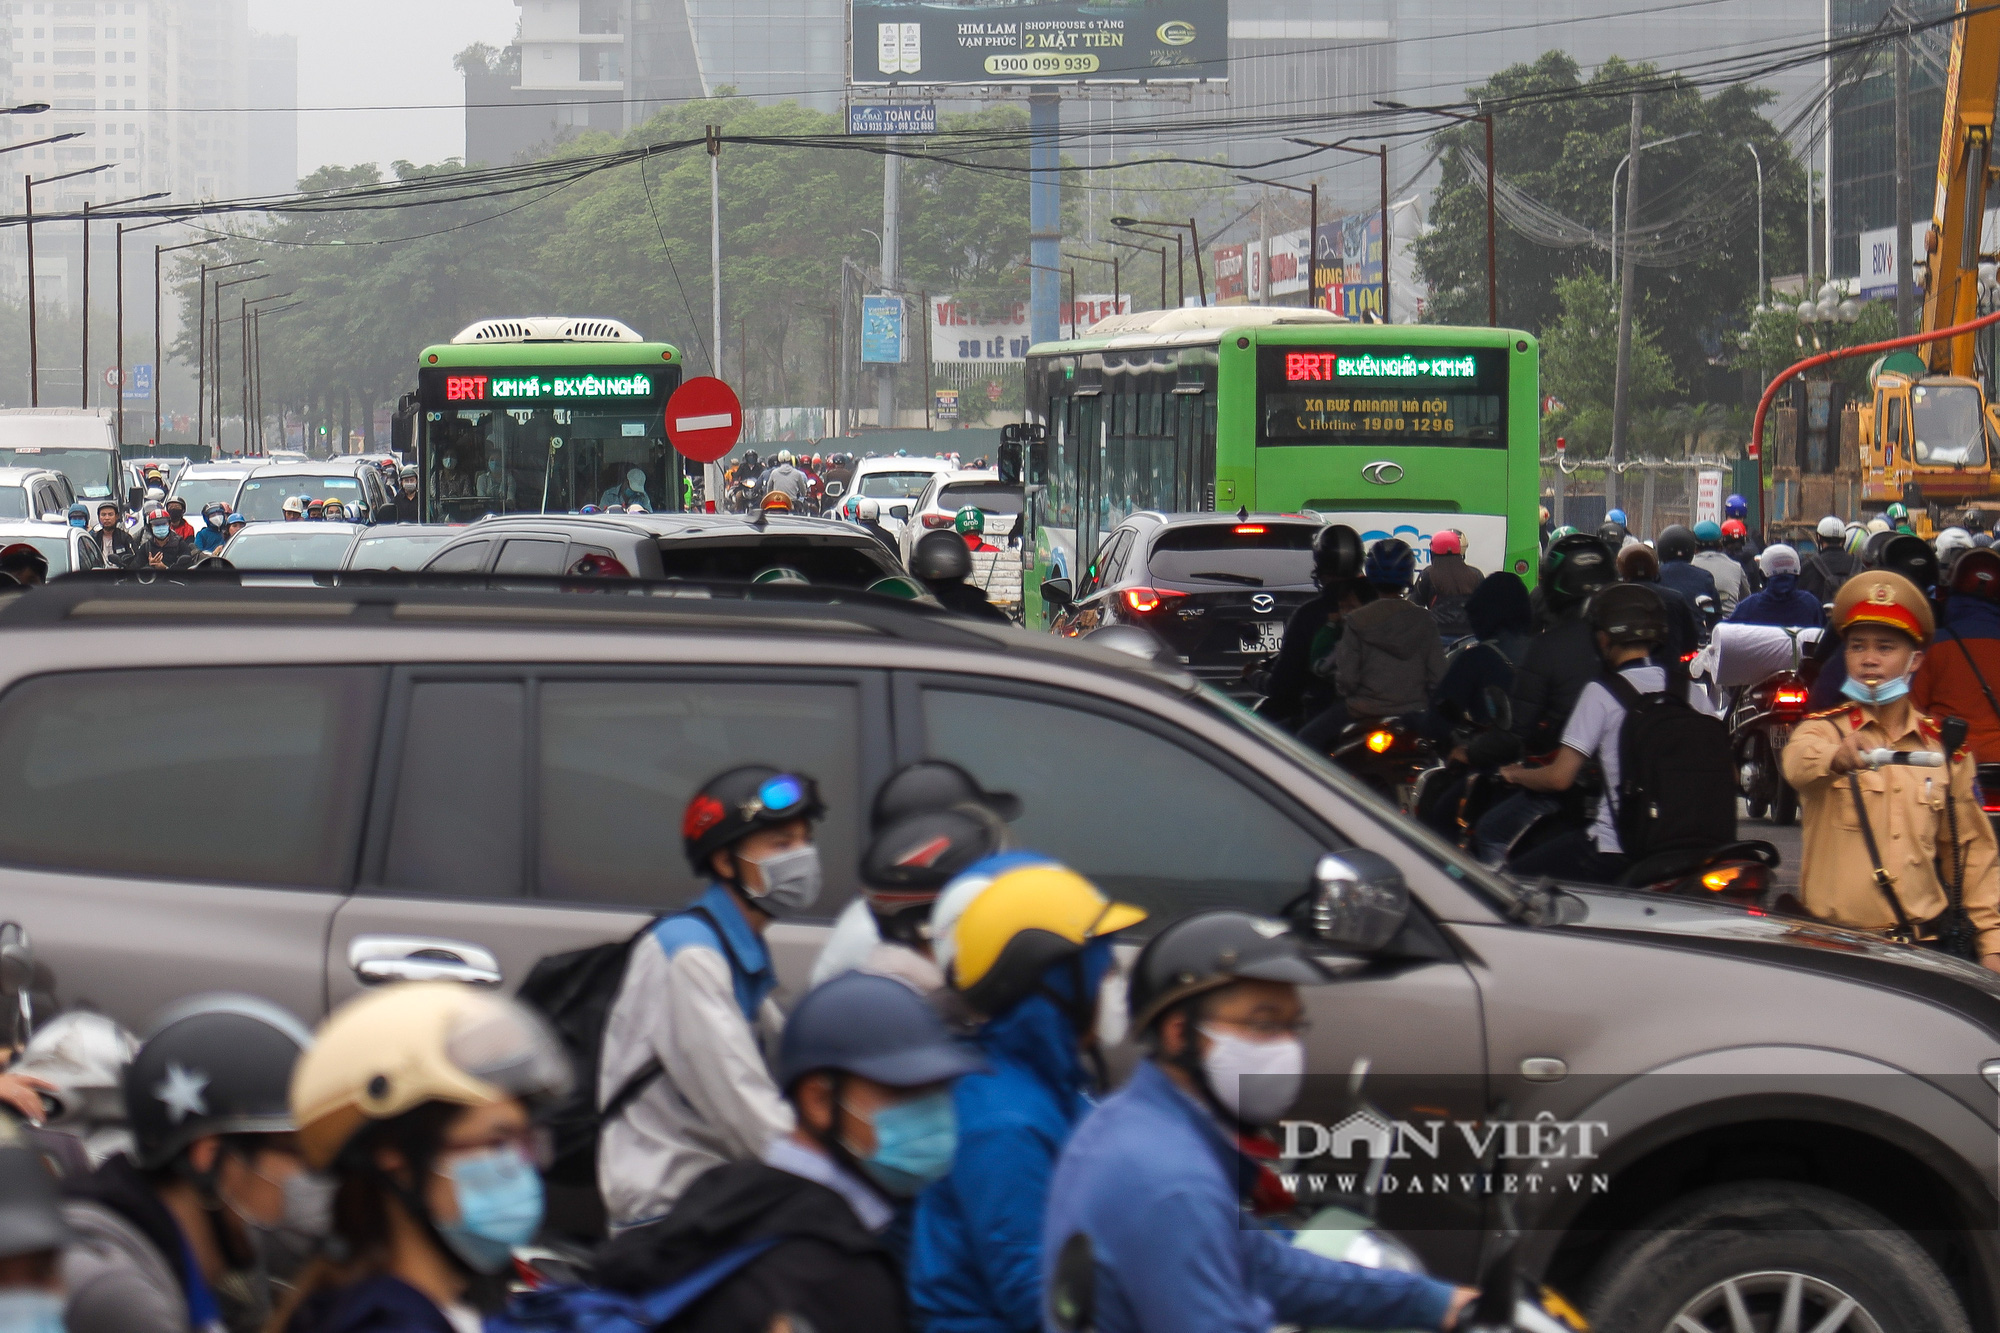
[1058, 592]
[1073, 1292]
[1499, 708]
[1359, 899]
[901, 513]
[17, 979]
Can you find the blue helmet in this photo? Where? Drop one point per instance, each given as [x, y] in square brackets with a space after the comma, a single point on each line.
[1615, 516]
[875, 1027]
[1390, 564]
[1708, 532]
[1735, 507]
[79, 515]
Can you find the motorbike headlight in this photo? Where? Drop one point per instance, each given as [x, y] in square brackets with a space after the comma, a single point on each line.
[1379, 741]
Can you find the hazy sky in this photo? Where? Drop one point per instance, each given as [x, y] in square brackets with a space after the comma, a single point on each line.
[382, 52]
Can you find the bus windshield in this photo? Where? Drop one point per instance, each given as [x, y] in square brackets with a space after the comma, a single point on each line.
[91, 472]
[1948, 427]
[544, 460]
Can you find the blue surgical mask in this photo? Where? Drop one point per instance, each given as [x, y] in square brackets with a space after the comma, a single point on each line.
[28, 1310]
[1886, 693]
[78, 521]
[161, 529]
[914, 1143]
[499, 1206]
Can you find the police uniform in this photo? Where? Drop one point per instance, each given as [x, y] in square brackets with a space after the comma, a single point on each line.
[1906, 805]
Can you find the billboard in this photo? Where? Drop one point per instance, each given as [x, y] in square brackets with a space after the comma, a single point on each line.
[999, 41]
[969, 329]
[882, 330]
[893, 118]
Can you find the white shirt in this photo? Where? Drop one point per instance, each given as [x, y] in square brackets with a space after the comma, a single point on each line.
[1593, 733]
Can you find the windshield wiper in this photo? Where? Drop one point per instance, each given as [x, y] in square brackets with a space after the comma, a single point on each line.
[1224, 576]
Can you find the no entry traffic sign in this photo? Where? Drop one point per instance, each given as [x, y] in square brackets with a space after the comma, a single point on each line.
[704, 419]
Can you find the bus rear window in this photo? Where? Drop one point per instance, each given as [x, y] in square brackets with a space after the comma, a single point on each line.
[1252, 555]
[1361, 394]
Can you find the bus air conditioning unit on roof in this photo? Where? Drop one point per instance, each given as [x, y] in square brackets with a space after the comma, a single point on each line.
[547, 328]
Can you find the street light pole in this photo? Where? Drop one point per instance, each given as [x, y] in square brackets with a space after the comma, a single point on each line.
[159, 362]
[1312, 234]
[34, 331]
[1159, 250]
[1072, 291]
[1194, 243]
[119, 280]
[1381, 153]
[233, 282]
[1759, 160]
[144, 198]
[1113, 261]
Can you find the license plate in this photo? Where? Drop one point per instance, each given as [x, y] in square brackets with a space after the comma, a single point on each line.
[1269, 636]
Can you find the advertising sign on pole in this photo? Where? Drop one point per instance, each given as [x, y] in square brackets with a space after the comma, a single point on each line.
[1286, 267]
[893, 118]
[1066, 41]
[882, 330]
[1232, 283]
[944, 405]
[1708, 496]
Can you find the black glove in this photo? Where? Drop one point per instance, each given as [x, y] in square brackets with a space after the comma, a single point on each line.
[1492, 749]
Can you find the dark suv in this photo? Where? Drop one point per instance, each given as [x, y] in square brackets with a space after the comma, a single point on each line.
[1217, 589]
[728, 547]
[1683, 1108]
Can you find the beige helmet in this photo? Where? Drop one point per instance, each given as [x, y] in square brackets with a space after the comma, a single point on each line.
[391, 1050]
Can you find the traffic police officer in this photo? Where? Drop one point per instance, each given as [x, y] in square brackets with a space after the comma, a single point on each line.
[1912, 814]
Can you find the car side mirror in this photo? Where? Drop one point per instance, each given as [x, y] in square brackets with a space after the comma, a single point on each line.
[1359, 900]
[901, 513]
[17, 980]
[1058, 592]
[134, 497]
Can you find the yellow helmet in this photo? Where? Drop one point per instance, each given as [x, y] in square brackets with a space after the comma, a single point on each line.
[1025, 919]
[391, 1050]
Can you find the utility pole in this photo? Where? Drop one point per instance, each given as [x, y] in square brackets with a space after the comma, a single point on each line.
[1906, 297]
[1044, 215]
[892, 209]
[715, 249]
[34, 339]
[1264, 246]
[1621, 394]
[84, 387]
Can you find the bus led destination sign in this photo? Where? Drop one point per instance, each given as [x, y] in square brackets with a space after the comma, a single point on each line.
[1382, 396]
[1328, 366]
[547, 388]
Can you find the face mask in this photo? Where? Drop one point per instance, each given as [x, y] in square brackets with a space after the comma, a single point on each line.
[499, 1206]
[1256, 1081]
[215, 521]
[791, 880]
[161, 529]
[914, 1143]
[77, 522]
[449, 462]
[26, 1310]
[1887, 692]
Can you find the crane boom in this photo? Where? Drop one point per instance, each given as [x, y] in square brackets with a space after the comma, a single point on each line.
[1964, 170]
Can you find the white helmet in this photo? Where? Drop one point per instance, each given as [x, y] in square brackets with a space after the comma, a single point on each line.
[155, 493]
[1878, 525]
[785, 458]
[1830, 527]
[1953, 539]
[867, 510]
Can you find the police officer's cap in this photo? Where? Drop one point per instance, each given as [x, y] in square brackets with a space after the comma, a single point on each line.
[1880, 597]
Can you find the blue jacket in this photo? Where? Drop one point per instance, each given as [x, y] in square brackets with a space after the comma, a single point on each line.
[1148, 1178]
[380, 1304]
[1689, 580]
[1782, 602]
[976, 1262]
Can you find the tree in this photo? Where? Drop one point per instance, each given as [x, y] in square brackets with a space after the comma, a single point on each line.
[1579, 360]
[1561, 149]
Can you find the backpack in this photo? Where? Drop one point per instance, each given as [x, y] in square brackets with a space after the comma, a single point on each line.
[593, 1310]
[1829, 581]
[574, 991]
[1676, 777]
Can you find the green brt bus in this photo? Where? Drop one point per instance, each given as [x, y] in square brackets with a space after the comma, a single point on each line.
[1399, 430]
[543, 415]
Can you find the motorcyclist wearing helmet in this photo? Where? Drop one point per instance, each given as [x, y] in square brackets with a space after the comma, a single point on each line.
[177, 517]
[1293, 691]
[1962, 669]
[24, 563]
[1628, 624]
[1639, 564]
[1781, 602]
[79, 515]
[931, 822]
[418, 1103]
[787, 477]
[1150, 1179]
[1028, 953]
[294, 509]
[1950, 544]
[1730, 585]
[1389, 657]
[1822, 572]
[630, 489]
[1678, 569]
[970, 525]
[78, 1060]
[1736, 545]
[1896, 518]
[867, 1069]
[942, 564]
[681, 1073]
[110, 541]
[1446, 585]
[158, 547]
[1736, 507]
[868, 515]
[173, 1237]
[1613, 533]
[213, 532]
[315, 511]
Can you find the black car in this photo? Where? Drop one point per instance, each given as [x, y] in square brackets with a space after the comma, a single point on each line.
[721, 547]
[1217, 588]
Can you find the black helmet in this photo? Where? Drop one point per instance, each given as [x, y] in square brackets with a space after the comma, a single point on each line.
[31, 1219]
[1612, 533]
[935, 784]
[916, 856]
[1391, 564]
[1629, 613]
[941, 557]
[1913, 558]
[1871, 549]
[1573, 568]
[213, 1064]
[1208, 951]
[1337, 554]
[749, 458]
[736, 803]
[1675, 543]
[875, 1027]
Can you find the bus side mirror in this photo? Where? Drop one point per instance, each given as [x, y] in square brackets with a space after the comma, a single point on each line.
[1024, 454]
[1010, 462]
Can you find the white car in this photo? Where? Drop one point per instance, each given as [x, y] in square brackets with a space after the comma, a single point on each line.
[893, 484]
[60, 545]
[203, 484]
[311, 547]
[937, 506]
[34, 494]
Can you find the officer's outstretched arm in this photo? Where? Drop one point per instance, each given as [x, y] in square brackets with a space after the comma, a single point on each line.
[1809, 755]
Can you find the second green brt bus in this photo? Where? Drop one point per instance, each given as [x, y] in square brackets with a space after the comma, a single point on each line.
[1399, 430]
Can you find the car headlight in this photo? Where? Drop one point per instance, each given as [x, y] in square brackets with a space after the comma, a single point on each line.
[1990, 1071]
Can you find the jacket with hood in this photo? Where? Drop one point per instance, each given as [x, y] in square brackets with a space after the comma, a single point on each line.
[380, 1304]
[700, 1003]
[1503, 627]
[829, 1271]
[127, 1267]
[976, 1260]
[1782, 602]
[1730, 585]
[1968, 634]
[1443, 589]
[1388, 660]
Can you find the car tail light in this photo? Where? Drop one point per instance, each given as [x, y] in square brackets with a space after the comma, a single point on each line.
[1144, 600]
[1378, 741]
[938, 520]
[1249, 529]
[1988, 804]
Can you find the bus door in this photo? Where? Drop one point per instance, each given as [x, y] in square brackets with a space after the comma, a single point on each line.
[1087, 444]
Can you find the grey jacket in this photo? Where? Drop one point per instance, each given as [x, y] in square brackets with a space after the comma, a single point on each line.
[1730, 585]
[1388, 660]
[118, 1281]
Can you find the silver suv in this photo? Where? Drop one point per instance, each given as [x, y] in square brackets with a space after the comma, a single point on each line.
[1682, 1107]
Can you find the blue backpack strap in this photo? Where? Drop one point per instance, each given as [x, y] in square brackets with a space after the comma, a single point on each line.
[670, 1300]
[693, 925]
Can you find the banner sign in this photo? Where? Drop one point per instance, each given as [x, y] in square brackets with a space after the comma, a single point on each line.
[893, 118]
[1070, 41]
[972, 330]
[944, 404]
[1708, 489]
[882, 330]
[1286, 267]
[1232, 280]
